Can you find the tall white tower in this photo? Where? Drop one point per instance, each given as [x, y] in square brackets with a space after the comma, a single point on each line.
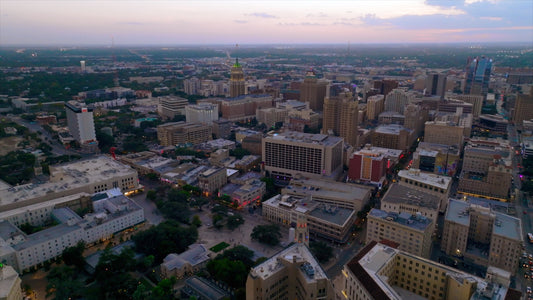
[82, 65]
[81, 123]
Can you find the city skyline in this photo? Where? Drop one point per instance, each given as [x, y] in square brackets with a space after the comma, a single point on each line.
[259, 22]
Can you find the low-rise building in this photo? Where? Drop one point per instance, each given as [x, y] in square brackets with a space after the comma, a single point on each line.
[430, 183]
[412, 232]
[187, 263]
[327, 221]
[9, 283]
[290, 274]
[393, 136]
[212, 179]
[437, 158]
[148, 162]
[404, 199]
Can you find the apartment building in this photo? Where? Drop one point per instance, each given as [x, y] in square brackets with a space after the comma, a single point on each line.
[292, 273]
[486, 237]
[412, 232]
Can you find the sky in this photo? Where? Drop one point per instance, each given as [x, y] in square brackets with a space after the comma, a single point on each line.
[178, 22]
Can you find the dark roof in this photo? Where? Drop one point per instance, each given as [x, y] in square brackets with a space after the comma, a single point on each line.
[513, 294]
[360, 273]
[390, 243]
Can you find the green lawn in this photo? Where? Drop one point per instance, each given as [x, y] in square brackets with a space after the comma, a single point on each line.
[220, 246]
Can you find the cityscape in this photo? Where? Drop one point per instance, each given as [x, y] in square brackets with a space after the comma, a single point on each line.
[266, 150]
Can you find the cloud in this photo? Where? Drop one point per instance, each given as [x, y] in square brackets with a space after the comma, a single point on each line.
[240, 21]
[301, 24]
[262, 15]
[492, 18]
[131, 23]
[468, 2]
[318, 15]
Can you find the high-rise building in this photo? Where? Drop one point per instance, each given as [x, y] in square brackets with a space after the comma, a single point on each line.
[82, 66]
[385, 86]
[341, 117]
[478, 76]
[445, 133]
[236, 82]
[368, 166]
[479, 234]
[436, 84]
[475, 100]
[415, 117]
[374, 106]
[523, 108]
[314, 91]
[80, 123]
[397, 100]
[292, 273]
[244, 107]
[393, 136]
[192, 86]
[313, 155]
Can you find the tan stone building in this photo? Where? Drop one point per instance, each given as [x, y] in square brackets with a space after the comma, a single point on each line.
[171, 106]
[437, 185]
[171, 134]
[393, 136]
[486, 237]
[270, 116]
[236, 82]
[211, 180]
[243, 108]
[475, 100]
[291, 274]
[341, 117]
[412, 232]
[382, 272]
[405, 199]
[523, 108]
[313, 90]
[374, 106]
[445, 133]
[10, 283]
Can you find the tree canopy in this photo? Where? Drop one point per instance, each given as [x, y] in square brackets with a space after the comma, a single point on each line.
[267, 234]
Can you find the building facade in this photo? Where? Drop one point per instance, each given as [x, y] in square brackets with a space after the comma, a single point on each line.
[478, 73]
[181, 133]
[80, 122]
[313, 91]
[171, 106]
[341, 117]
[201, 113]
[236, 82]
[368, 166]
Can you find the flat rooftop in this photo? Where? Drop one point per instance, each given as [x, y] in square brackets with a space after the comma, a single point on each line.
[308, 138]
[336, 215]
[328, 189]
[75, 175]
[298, 253]
[403, 194]
[439, 181]
[391, 129]
[419, 223]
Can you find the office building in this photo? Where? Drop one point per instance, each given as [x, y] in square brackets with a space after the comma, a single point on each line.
[495, 125]
[300, 119]
[212, 179]
[335, 194]
[222, 128]
[374, 106]
[478, 72]
[91, 175]
[485, 237]
[192, 86]
[171, 106]
[313, 91]
[341, 117]
[397, 100]
[380, 271]
[412, 232]
[436, 84]
[475, 100]
[292, 273]
[415, 116]
[80, 123]
[10, 283]
[181, 133]
[393, 136]
[384, 87]
[487, 169]
[312, 155]
[455, 107]
[391, 117]
[236, 82]
[427, 182]
[436, 158]
[444, 133]
[523, 108]
[368, 166]
[201, 113]
[243, 108]
[271, 116]
[405, 199]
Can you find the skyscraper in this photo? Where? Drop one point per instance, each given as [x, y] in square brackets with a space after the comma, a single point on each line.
[478, 76]
[313, 91]
[385, 86]
[236, 82]
[341, 117]
[436, 84]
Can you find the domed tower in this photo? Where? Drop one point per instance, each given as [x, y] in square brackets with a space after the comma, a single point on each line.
[236, 82]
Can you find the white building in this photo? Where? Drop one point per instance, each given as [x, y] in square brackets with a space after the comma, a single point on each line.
[80, 122]
[201, 113]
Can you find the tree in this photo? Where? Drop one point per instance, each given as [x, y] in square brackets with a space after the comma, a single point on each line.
[74, 255]
[164, 289]
[151, 195]
[239, 253]
[63, 283]
[233, 273]
[112, 274]
[239, 152]
[234, 221]
[218, 221]
[267, 234]
[196, 221]
[322, 251]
